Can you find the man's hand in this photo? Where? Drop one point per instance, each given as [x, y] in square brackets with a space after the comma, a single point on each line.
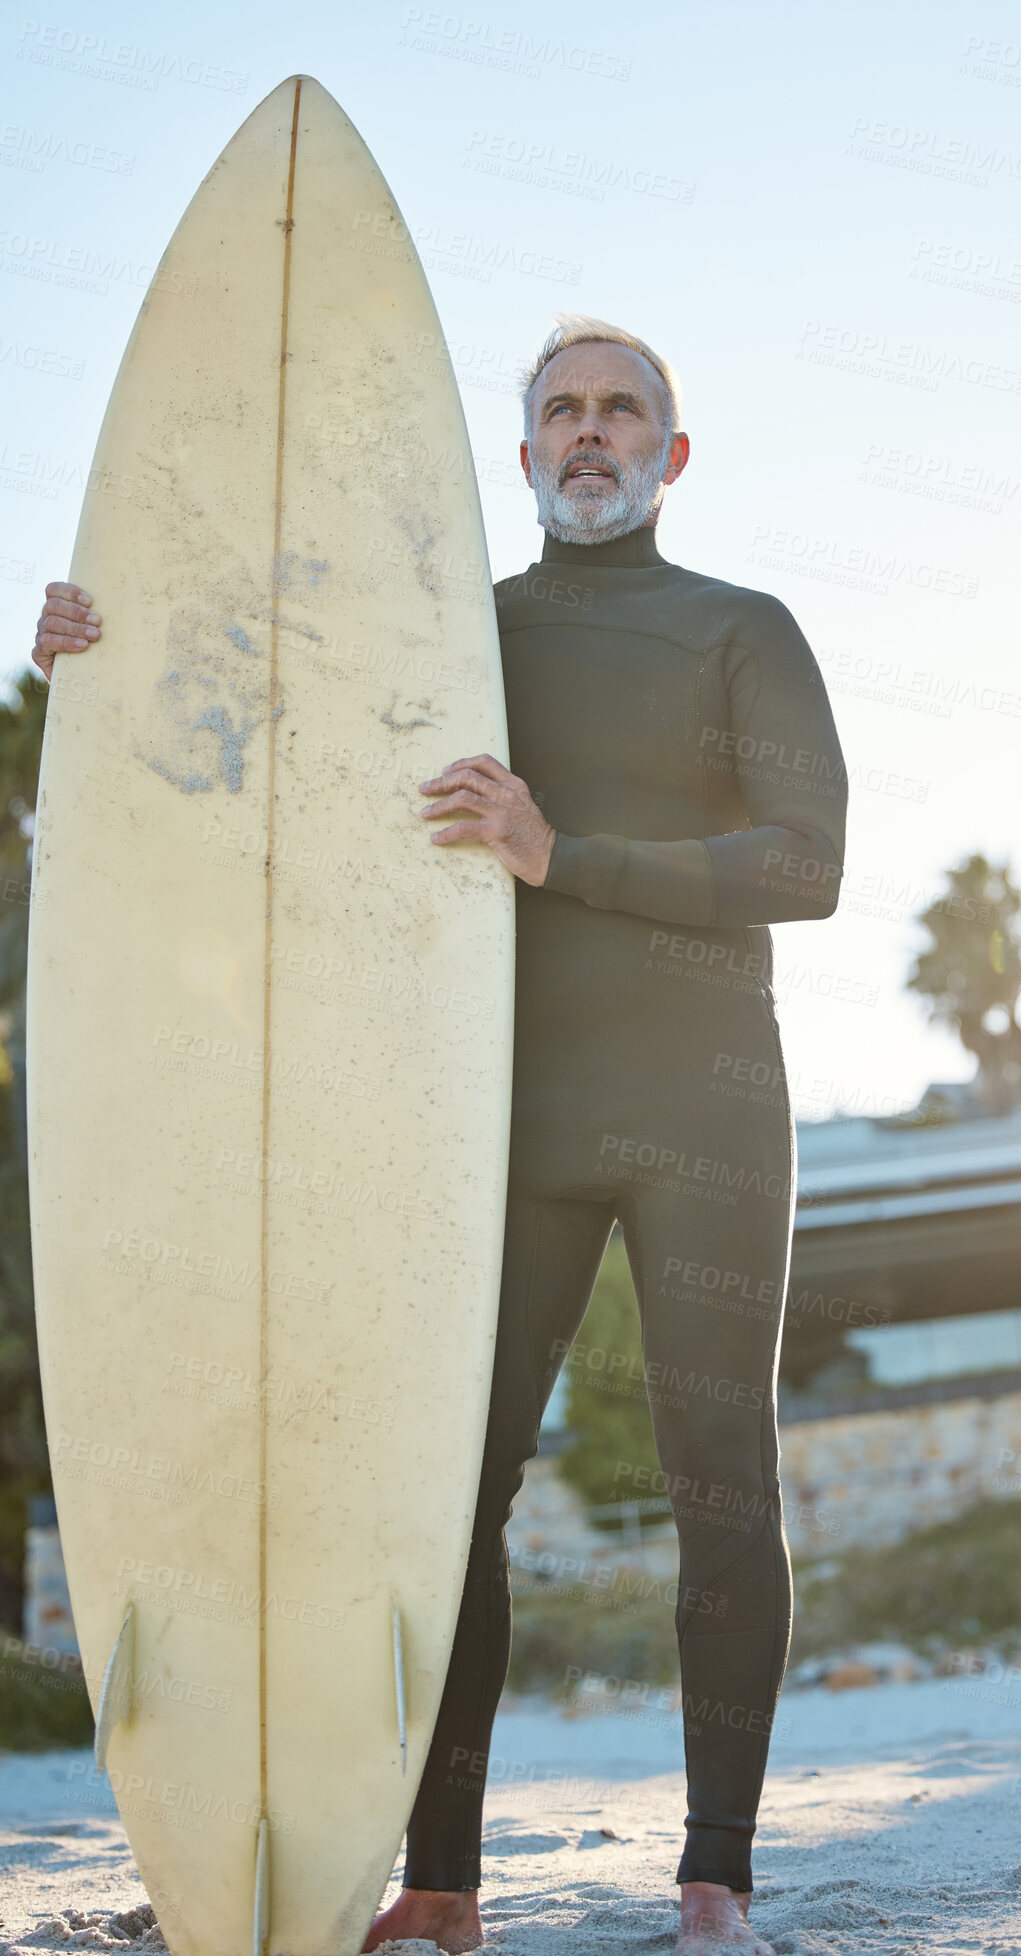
[66, 624]
[500, 811]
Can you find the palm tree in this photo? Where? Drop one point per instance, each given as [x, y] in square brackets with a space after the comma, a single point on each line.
[971, 973]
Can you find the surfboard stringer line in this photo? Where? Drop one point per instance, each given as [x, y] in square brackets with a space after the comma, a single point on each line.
[402, 1715]
[260, 1911]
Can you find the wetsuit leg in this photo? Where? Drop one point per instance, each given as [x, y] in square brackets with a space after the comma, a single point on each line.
[711, 1278]
[552, 1251]
[710, 1267]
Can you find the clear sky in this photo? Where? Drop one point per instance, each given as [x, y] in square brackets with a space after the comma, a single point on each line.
[812, 212]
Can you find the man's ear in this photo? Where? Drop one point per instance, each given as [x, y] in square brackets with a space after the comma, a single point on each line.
[680, 449]
[526, 463]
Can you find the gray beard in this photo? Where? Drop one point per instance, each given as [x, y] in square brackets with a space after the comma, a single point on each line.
[591, 516]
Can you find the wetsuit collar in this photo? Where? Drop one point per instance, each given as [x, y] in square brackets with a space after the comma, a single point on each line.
[637, 550]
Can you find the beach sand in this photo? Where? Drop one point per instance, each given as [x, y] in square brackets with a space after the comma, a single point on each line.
[889, 1825]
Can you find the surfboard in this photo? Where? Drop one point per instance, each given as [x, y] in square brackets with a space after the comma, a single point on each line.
[269, 1047]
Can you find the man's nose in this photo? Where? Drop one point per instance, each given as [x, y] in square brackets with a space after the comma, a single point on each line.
[591, 430]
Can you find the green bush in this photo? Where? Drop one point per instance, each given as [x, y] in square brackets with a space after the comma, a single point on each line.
[951, 1586]
[24, 1469]
[42, 1705]
[628, 1632]
[607, 1407]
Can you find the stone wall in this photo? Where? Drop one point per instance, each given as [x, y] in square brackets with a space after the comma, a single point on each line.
[861, 1479]
[849, 1480]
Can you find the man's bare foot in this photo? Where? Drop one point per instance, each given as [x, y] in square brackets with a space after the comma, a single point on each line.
[714, 1921]
[449, 1918]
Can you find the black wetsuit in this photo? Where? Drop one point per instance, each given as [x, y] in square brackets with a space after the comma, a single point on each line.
[675, 731]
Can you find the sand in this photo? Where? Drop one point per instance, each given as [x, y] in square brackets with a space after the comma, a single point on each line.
[889, 1824]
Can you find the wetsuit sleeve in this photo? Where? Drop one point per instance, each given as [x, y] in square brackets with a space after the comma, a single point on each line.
[782, 744]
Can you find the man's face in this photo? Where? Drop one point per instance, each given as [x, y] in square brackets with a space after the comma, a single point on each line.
[599, 454]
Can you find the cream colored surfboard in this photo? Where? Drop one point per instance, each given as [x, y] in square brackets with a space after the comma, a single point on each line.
[269, 1049]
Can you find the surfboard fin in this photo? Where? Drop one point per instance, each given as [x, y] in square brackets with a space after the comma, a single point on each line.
[116, 1700]
[402, 1715]
[260, 1911]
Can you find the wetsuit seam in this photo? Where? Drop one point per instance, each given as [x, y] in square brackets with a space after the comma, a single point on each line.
[571, 1191]
[774, 1520]
[529, 1301]
[776, 1667]
[765, 983]
[703, 777]
[704, 786]
[774, 1027]
[728, 1569]
[629, 1203]
[738, 645]
[615, 631]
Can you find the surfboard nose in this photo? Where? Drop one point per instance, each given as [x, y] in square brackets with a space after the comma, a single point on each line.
[310, 86]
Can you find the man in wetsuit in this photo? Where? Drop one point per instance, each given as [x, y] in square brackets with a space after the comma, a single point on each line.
[678, 786]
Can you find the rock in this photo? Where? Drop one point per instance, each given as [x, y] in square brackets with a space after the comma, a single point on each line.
[851, 1677]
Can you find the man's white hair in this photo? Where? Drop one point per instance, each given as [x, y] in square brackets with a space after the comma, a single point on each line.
[578, 329]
